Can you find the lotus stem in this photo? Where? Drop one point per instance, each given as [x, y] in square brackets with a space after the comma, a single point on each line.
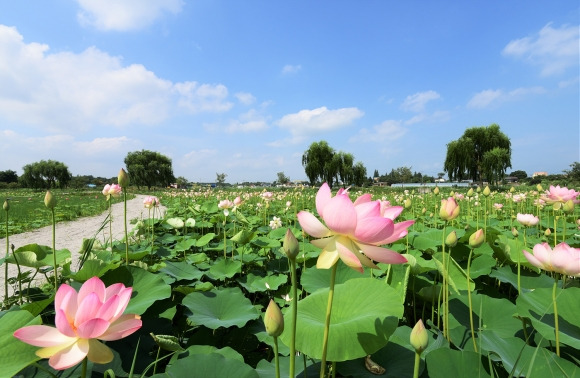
[327, 321]
[6, 262]
[54, 249]
[84, 368]
[125, 222]
[469, 300]
[294, 317]
[417, 365]
[110, 223]
[444, 284]
[554, 288]
[276, 357]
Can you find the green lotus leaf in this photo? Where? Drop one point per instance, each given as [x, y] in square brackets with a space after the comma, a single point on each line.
[537, 306]
[147, 287]
[365, 313]
[224, 268]
[212, 365]
[445, 363]
[16, 355]
[220, 308]
[181, 271]
[313, 279]
[254, 283]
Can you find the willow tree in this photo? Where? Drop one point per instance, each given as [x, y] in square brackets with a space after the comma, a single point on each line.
[481, 152]
[317, 162]
[148, 168]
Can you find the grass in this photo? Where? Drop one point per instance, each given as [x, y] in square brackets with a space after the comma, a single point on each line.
[27, 211]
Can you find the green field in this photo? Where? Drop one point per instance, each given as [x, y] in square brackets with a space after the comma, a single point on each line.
[27, 211]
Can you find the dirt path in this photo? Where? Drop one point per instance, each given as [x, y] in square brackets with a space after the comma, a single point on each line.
[70, 235]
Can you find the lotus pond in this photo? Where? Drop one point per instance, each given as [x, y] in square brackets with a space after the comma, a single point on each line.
[308, 282]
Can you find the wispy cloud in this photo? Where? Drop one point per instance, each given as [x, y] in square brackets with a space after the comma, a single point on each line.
[126, 14]
[290, 69]
[245, 98]
[387, 131]
[416, 102]
[553, 49]
[490, 97]
[320, 119]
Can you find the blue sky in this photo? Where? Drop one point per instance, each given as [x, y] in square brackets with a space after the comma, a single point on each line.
[244, 87]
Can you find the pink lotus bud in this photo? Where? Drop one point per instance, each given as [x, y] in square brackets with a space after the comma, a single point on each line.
[548, 232]
[290, 245]
[237, 201]
[436, 190]
[470, 192]
[123, 178]
[515, 232]
[6, 205]
[49, 200]
[568, 207]
[476, 239]
[449, 209]
[486, 191]
[451, 239]
[419, 337]
[274, 320]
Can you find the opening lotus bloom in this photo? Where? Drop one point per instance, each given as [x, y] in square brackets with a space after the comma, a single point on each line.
[527, 219]
[151, 202]
[351, 231]
[94, 313]
[563, 259]
[112, 190]
[557, 194]
[449, 209]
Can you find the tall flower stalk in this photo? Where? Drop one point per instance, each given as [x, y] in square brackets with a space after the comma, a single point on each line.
[50, 203]
[475, 241]
[449, 211]
[6, 208]
[123, 180]
[291, 249]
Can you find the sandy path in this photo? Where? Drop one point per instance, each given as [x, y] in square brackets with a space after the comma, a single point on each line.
[70, 235]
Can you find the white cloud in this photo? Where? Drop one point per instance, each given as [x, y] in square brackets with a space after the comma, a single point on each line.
[68, 91]
[123, 15]
[100, 146]
[416, 102]
[250, 121]
[198, 98]
[387, 131]
[484, 98]
[245, 98]
[197, 157]
[554, 50]
[290, 69]
[488, 97]
[319, 119]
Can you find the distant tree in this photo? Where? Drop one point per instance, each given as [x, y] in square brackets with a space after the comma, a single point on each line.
[45, 174]
[440, 175]
[376, 174]
[8, 176]
[148, 168]
[359, 173]
[181, 182]
[521, 175]
[343, 163]
[282, 178]
[220, 179]
[318, 164]
[574, 171]
[466, 156]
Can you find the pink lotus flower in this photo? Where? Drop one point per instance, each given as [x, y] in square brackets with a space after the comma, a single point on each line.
[112, 190]
[401, 229]
[94, 313]
[557, 194]
[563, 259]
[498, 206]
[351, 228]
[151, 202]
[225, 204]
[449, 209]
[267, 196]
[527, 219]
[237, 201]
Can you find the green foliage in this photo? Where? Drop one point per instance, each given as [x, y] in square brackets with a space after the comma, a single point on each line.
[148, 168]
[45, 174]
[480, 153]
[322, 163]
